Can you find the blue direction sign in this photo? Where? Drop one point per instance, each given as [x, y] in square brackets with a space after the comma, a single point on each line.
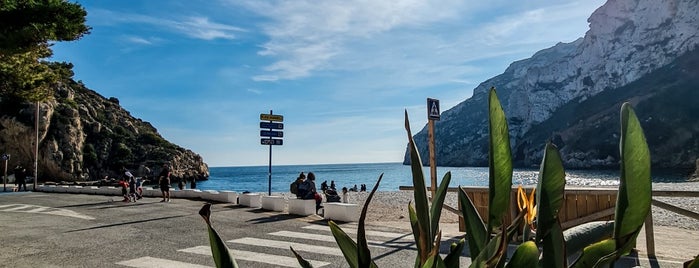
[271, 141]
[271, 125]
[271, 133]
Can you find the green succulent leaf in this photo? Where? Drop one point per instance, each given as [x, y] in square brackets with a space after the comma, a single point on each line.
[475, 228]
[303, 262]
[493, 252]
[420, 194]
[363, 247]
[500, 163]
[549, 191]
[526, 255]
[346, 244]
[437, 202]
[634, 198]
[597, 254]
[219, 250]
[554, 247]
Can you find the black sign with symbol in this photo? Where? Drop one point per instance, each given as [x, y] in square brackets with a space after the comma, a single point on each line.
[432, 109]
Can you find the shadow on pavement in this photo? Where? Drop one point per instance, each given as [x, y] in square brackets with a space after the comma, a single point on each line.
[274, 218]
[126, 223]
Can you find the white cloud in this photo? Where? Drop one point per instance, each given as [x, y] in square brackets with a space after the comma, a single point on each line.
[197, 27]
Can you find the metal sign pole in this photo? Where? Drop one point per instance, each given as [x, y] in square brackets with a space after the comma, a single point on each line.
[269, 188]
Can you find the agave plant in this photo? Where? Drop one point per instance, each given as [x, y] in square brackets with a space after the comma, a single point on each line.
[633, 204]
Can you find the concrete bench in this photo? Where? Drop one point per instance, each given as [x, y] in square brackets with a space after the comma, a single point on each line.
[74, 189]
[303, 207]
[209, 195]
[189, 193]
[340, 211]
[274, 203]
[250, 200]
[228, 197]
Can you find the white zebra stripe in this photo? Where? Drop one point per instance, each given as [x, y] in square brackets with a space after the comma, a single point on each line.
[256, 257]
[408, 236]
[324, 238]
[150, 262]
[20, 207]
[285, 245]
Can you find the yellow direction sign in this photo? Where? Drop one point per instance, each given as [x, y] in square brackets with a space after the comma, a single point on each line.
[272, 117]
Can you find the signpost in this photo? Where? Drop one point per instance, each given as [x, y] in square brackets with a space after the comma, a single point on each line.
[268, 132]
[432, 115]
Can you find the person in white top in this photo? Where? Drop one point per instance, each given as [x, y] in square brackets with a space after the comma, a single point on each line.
[345, 195]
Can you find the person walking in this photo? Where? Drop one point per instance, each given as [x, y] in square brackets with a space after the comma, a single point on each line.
[164, 181]
[20, 177]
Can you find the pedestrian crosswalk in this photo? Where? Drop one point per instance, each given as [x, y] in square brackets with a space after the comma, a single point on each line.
[314, 242]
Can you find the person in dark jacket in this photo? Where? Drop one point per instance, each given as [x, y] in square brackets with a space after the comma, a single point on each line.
[20, 177]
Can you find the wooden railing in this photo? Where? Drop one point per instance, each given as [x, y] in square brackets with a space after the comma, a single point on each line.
[580, 205]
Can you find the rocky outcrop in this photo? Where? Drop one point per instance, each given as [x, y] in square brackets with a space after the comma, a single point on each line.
[627, 41]
[83, 136]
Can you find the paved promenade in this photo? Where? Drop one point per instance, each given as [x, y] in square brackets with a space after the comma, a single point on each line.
[77, 230]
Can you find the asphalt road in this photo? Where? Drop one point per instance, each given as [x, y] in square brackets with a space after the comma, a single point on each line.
[73, 230]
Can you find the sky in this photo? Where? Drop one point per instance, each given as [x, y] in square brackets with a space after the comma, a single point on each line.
[341, 72]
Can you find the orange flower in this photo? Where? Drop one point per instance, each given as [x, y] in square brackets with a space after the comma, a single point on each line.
[524, 203]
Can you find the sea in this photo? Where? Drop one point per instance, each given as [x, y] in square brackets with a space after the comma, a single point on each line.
[257, 178]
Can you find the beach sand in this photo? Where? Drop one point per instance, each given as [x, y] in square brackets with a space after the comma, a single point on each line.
[676, 236]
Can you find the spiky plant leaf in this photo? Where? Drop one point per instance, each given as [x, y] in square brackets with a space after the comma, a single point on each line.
[455, 249]
[420, 195]
[550, 190]
[634, 198]
[554, 247]
[363, 247]
[475, 228]
[500, 163]
[596, 254]
[346, 245]
[438, 202]
[219, 250]
[303, 262]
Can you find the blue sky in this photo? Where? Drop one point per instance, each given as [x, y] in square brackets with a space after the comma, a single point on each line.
[341, 72]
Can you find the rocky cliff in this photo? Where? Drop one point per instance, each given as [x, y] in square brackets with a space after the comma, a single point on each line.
[84, 136]
[571, 87]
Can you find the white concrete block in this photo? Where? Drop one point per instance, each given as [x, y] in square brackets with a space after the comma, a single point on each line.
[250, 200]
[228, 197]
[274, 203]
[75, 189]
[340, 211]
[62, 188]
[209, 195]
[190, 193]
[91, 189]
[150, 192]
[302, 207]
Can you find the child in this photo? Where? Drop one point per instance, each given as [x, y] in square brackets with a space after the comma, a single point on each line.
[124, 185]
